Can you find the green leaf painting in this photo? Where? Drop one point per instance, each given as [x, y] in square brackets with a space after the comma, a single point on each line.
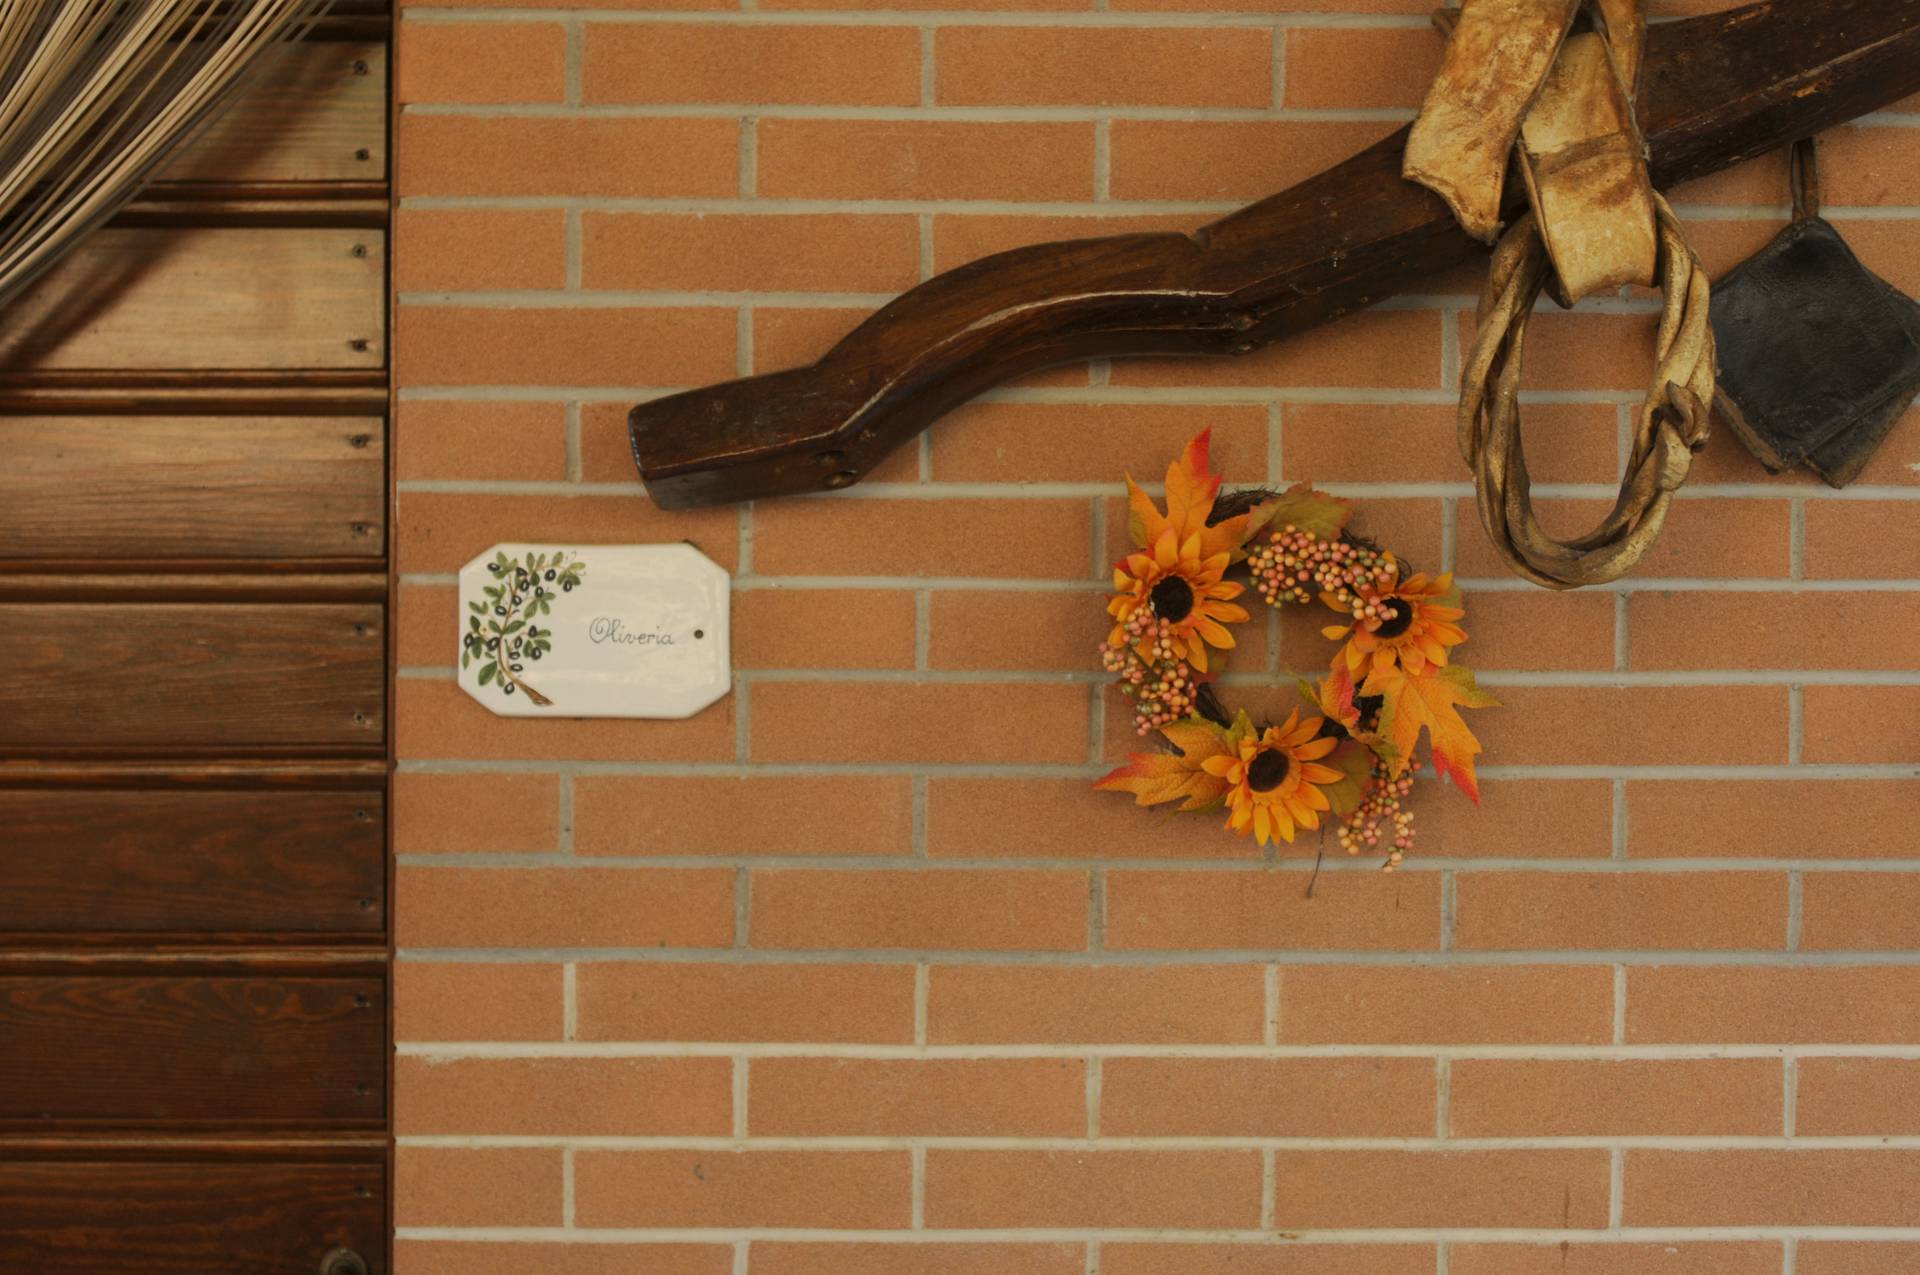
[501, 634]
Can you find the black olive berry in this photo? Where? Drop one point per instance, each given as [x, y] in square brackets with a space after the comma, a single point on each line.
[549, 573]
[499, 610]
[493, 644]
[509, 688]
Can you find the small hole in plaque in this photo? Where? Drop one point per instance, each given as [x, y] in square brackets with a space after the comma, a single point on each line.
[698, 634]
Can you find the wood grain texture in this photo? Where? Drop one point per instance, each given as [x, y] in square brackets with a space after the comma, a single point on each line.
[191, 487]
[183, 866]
[318, 114]
[1718, 89]
[207, 1052]
[186, 299]
[168, 678]
[132, 1218]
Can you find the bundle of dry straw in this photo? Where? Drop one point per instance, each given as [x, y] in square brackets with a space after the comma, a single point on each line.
[96, 94]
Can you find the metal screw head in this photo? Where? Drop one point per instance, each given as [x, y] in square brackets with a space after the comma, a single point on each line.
[343, 1261]
[359, 250]
[363, 154]
[360, 67]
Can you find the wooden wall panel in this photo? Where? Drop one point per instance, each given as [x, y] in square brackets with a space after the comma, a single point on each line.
[118, 1218]
[186, 487]
[166, 298]
[185, 1050]
[169, 677]
[156, 865]
[318, 116]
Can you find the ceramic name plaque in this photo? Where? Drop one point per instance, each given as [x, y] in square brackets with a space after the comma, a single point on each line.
[594, 630]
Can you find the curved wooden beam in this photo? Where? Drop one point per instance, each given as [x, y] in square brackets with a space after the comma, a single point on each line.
[1717, 90]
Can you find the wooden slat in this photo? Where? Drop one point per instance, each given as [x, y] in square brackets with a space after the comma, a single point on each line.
[133, 1218]
[191, 487]
[200, 1052]
[318, 115]
[193, 866]
[212, 580]
[174, 678]
[136, 299]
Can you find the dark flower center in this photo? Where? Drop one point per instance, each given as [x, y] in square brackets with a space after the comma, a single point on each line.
[1368, 706]
[1172, 599]
[1397, 623]
[1268, 770]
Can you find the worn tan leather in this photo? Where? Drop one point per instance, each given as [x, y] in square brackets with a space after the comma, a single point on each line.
[1496, 60]
[1670, 427]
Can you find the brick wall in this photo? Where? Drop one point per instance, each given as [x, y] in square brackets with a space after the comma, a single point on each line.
[852, 973]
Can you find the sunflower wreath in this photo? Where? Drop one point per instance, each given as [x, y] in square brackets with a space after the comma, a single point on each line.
[1348, 751]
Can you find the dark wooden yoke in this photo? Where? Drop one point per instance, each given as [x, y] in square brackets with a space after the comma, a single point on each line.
[1718, 90]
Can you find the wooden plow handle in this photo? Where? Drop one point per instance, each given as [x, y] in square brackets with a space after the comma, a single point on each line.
[1717, 90]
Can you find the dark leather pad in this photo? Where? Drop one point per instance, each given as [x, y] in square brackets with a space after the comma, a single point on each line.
[1818, 355]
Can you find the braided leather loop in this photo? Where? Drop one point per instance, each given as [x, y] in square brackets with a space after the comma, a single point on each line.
[1671, 425]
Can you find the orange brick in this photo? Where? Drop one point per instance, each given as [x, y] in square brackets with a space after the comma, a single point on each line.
[838, 1004]
[477, 1186]
[997, 909]
[917, 1097]
[754, 252]
[1756, 181]
[1279, 6]
[480, 441]
[1773, 818]
[1743, 539]
[437, 719]
[1517, 818]
[1667, 911]
[1291, 1258]
[823, 628]
[923, 159]
[1862, 539]
[567, 1096]
[968, 236]
[1857, 1096]
[1538, 630]
[1505, 1004]
[1717, 630]
[1870, 166]
[996, 539]
[481, 62]
[1329, 1189]
[556, 907]
[450, 1257]
[1360, 68]
[479, 249]
[475, 814]
[1865, 1257]
[426, 620]
[784, 64]
[1772, 1188]
[784, 338]
[1861, 724]
[1020, 723]
[1130, 1189]
[1196, 911]
[580, 156]
[748, 815]
[1855, 911]
[434, 1000]
[1733, 1258]
[1104, 66]
[1580, 350]
[1094, 442]
[1002, 630]
[1772, 1005]
[1229, 160]
[815, 1189]
[443, 531]
[1571, 1098]
[945, 1258]
[1060, 819]
[554, 345]
[1888, 249]
[1388, 349]
[1267, 1097]
[1635, 726]
[1118, 1004]
[1418, 443]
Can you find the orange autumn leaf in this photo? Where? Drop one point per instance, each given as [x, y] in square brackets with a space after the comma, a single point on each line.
[1191, 490]
[1429, 702]
[1157, 778]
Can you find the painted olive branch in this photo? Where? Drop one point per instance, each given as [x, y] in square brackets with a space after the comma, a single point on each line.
[508, 636]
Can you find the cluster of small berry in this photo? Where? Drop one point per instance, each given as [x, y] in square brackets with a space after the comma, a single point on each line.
[1380, 808]
[1152, 667]
[1298, 566]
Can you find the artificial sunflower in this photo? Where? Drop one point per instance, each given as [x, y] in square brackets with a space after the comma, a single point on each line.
[1275, 780]
[1410, 624]
[1172, 595]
